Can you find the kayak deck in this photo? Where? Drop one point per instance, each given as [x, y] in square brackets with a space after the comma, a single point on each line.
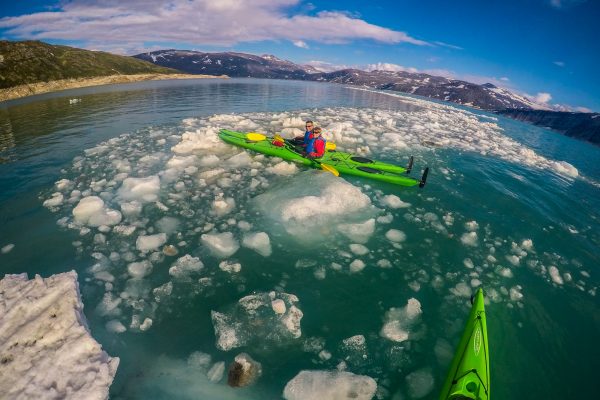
[345, 163]
[469, 374]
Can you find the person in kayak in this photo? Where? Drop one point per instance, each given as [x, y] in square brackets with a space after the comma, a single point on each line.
[303, 140]
[315, 147]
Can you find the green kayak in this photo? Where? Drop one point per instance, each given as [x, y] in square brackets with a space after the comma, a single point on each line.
[469, 375]
[345, 163]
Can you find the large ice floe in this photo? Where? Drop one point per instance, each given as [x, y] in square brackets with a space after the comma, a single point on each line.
[46, 349]
[330, 385]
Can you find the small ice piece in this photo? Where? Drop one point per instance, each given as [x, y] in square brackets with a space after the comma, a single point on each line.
[394, 235]
[146, 324]
[359, 249]
[243, 371]
[393, 201]
[131, 209]
[278, 306]
[514, 260]
[215, 374]
[527, 244]
[461, 290]
[258, 242]
[138, 270]
[469, 239]
[448, 219]
[115, 326]
[324, 355]
[168, 225]
[357, 266]
[515, 293]
[185, 266]
[385, 219]
[330, 385]
[505, 272]
[420, 383]
[7, 249]
[230, 266]
[475, 282]
[150, 242]
[467, 262]
[283, 168]
[54, 201]
[255, 320]
[471, 226]
[223, 206]
[244, 225]
[360, 232]
[46, 347]
[221, 245]
[384, 263]
[143, 190]
[555, 275]
[399, 321]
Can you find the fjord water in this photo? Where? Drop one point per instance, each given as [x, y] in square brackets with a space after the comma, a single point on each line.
[387, 302]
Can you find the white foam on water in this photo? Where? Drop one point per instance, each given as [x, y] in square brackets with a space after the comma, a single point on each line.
[330, 385]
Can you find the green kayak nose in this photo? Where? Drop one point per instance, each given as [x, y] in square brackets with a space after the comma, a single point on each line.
[469, 374]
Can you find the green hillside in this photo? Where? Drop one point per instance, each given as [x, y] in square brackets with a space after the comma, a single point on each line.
[34, 61]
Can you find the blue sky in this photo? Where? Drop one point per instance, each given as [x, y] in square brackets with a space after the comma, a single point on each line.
[547, 49]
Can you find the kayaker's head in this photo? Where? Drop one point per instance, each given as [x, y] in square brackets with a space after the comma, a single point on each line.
[309, 126]
[317, 132]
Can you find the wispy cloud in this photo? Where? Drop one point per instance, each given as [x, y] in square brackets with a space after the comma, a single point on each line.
[558, 4]
[450, 46]
[194, 22]
[388, 67]
[300, 43]
[325, 66]
[559, 63]
[542, 98]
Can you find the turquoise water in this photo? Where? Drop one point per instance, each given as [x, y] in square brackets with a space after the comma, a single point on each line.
[494, 212]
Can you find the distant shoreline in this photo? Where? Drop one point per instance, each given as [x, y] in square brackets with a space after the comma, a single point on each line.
[32, 89]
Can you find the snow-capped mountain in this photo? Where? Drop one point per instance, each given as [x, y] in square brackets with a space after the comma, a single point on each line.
[486, 96]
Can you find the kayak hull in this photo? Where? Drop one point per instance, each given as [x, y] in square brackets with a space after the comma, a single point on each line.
[469, 374]
[345, 163]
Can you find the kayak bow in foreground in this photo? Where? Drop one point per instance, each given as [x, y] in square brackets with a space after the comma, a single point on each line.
[469, 375]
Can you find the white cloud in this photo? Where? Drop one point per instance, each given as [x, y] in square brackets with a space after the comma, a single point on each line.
[542, 98]
[389, 67]
[300, 43]
[450, 46]
[559, 63]
[583, 109]
[194, 22]
[325, 66]
[505, 79]
[559, 4]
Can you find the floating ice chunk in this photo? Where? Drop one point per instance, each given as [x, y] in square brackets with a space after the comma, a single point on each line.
[394, 235]
[359, 249]
[330, 385]
[143, 190]
[324, 355]
[185, 266]
[383, 263]
[146, 324]
[448, 219]
[115, 326]
[515, 293]
[385, 219]
[139, 270]
[221, 245]
[357, 266]
[223, 206]
[54, 201]
[461, 290]
[399, 321]
[283, 168]
[393, 201]
[131, 209]
[243, 371]
[527, 244]
[555, 275]
[209, 161]
[258, 242]
[469, 239]
[91, 211]
[229, 266]
[63, 184]
[150, 242]
[168, 225]
[215, 374]
[467, 262]
[239, 160]
[45, 343]
[472, 226]
[239, 327]
[420, 383]
[514, 260]
[359, 232]
[7, 249]
[244, 225]
[278, 306]
[109, 306]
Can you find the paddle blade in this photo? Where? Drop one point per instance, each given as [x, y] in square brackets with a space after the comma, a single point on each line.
[330, 168]
[330, 146]
[255, 137]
